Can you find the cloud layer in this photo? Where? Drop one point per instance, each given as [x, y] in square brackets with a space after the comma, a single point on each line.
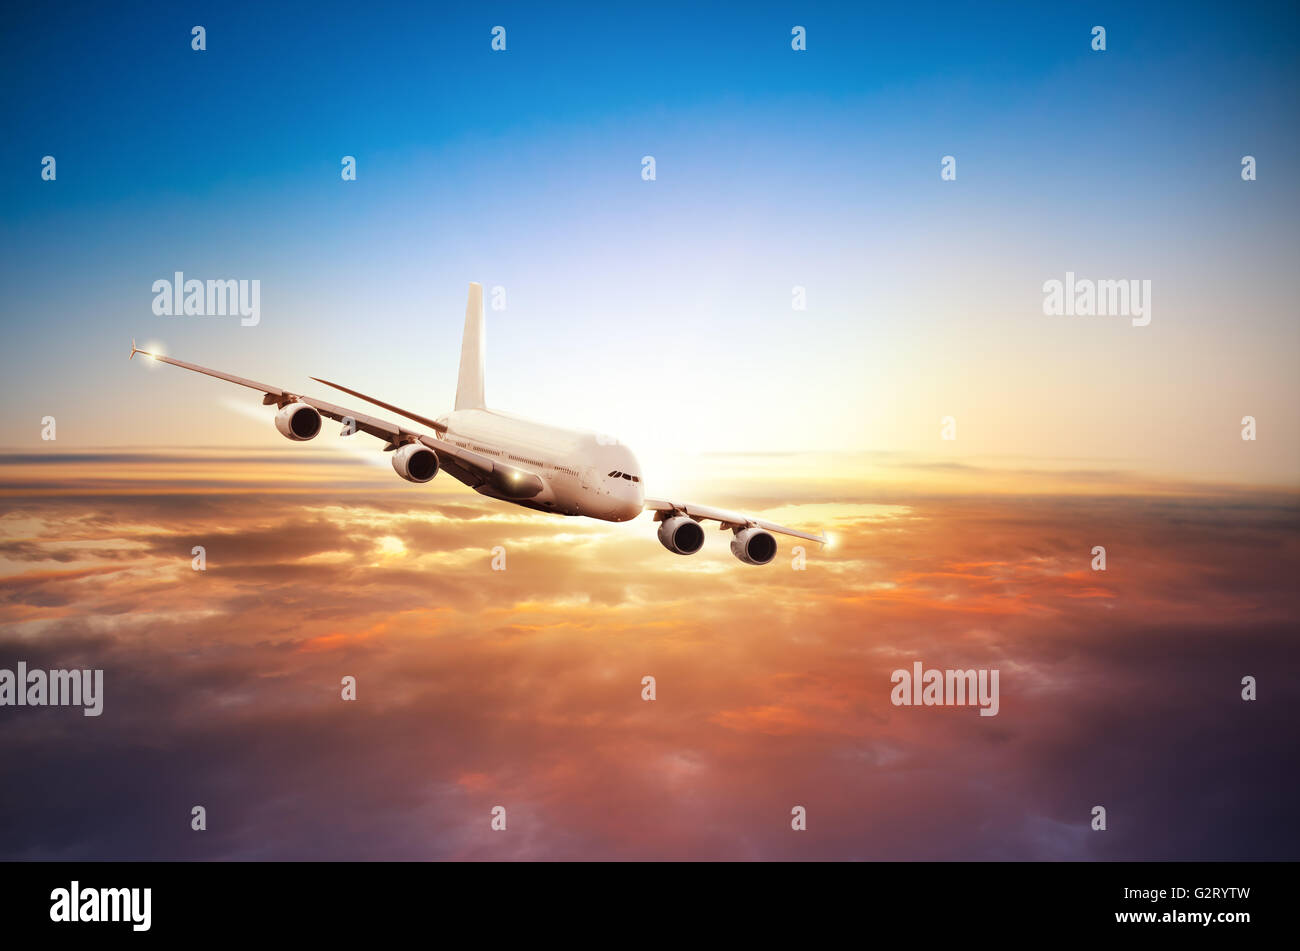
[522, 688]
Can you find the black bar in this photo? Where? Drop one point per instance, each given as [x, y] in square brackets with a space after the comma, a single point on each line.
[926, 900]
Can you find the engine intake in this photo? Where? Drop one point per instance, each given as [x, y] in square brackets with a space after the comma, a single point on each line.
[753, 546]
[681, 535]
[415, 462]
[298, 421]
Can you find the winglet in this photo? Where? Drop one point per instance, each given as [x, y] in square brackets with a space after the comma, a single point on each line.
[134, 351]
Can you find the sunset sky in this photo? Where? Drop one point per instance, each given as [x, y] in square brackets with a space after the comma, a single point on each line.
[660, 311]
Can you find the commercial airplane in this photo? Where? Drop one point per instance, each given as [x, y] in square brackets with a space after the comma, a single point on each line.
[506, 457]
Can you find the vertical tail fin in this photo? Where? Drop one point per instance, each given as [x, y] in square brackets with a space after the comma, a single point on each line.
[469, 386]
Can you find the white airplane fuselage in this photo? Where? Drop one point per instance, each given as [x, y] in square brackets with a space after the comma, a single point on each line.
[581, 473]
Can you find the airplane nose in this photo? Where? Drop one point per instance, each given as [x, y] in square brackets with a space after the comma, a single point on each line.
[630, 503]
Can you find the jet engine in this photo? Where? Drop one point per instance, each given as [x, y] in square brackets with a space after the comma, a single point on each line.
[681, 535]
[415, 462]
[753, 546]
[298, 421]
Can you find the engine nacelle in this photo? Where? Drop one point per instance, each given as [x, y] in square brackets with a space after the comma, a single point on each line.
[681, 535]
[298, 421]
[753, 546]
[415, 462]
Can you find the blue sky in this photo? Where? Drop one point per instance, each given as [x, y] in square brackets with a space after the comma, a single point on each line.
[631, 302]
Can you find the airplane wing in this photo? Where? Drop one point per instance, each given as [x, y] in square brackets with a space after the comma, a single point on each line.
[665, 509]
[465, 465]
[422, 420]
